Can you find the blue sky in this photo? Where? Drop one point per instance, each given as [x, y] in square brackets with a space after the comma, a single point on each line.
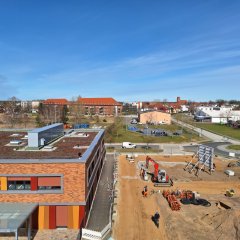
[129, 50]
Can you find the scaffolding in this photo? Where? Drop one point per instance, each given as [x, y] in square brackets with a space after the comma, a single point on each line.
[205, 159]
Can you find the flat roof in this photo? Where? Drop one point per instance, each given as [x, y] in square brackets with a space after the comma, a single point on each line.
[13, 215]
[37, 130]
[66, 147]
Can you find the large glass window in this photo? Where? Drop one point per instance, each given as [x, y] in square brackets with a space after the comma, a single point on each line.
[19, 185]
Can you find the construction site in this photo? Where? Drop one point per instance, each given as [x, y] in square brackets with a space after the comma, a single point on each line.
[176, 197]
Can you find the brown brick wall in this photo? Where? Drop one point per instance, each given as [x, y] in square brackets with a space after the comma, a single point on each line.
[73, 182]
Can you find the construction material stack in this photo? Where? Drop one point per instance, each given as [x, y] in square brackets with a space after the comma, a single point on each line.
[172, 200]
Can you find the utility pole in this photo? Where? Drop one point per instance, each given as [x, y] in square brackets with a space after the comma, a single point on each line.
[126, 122]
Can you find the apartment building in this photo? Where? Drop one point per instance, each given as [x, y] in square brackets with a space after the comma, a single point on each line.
[56, 101]
[100, 106]
[55, 170]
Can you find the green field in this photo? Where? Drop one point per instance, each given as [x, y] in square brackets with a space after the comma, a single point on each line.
[234, 147]
[223, 130]
[117, 132]
[220, 129]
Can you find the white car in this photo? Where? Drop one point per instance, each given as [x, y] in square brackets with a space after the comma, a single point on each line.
[128, 145]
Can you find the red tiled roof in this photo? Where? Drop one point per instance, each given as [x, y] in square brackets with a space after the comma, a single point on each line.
[58, 101]
[98, 101]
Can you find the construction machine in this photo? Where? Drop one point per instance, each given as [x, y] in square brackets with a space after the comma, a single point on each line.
[159, 177]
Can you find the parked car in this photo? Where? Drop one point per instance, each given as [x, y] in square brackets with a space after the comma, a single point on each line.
[160, 133]
[134, 121]
[128, 145]
[146, 147]
[176, 133]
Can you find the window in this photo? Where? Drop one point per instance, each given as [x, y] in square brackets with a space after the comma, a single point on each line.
[49, 187]
[101, 110]
[90, 169]
[33, 183]
[49, 183]
[18, 185]
[92, 110]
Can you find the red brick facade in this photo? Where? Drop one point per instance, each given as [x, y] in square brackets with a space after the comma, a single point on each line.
[78, 185]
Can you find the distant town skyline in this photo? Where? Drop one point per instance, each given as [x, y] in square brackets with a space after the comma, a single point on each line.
[128, 50]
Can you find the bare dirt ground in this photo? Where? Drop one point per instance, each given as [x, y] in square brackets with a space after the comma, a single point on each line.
[134, 212]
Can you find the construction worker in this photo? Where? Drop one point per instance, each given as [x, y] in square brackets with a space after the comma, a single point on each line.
[145, 191]
[155, 219]
[214, 167]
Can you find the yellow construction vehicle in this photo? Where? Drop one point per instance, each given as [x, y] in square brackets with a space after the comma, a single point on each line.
[230, 193]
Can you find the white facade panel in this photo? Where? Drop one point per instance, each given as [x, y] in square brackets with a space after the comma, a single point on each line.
[32, 139]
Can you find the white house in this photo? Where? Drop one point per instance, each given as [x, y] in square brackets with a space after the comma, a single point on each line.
[217, 114]
[184, 108]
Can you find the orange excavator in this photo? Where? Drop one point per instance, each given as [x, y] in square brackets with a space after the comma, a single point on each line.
[159, 177]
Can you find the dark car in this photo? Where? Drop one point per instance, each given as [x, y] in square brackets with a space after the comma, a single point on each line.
[176, 134]
[161, 133]
[146, 147]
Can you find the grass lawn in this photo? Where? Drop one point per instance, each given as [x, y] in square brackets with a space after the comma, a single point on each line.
[117, 133]
[213, 127]
[220, 129]
[184, 118]
[234, 147]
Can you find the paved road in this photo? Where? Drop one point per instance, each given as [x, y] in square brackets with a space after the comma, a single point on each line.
[99, 216]
[164, 148]
[182, 149]
[212, 136]
[218, 148]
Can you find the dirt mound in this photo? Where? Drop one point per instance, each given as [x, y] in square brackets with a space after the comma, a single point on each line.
[226, 223]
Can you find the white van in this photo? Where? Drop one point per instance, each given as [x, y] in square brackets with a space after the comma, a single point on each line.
[128, 145]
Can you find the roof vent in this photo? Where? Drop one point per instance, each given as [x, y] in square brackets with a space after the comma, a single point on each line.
[15, 135]
[83, 135]
[15, 142]
[48, 147]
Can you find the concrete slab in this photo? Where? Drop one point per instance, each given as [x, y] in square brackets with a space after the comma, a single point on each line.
[99, 216]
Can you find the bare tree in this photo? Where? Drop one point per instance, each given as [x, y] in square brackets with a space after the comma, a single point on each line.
[12, 109]
[76, 109]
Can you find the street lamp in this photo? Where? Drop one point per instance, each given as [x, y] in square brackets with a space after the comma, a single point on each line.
[55, 106]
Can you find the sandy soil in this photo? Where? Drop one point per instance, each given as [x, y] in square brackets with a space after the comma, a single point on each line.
[191, 222]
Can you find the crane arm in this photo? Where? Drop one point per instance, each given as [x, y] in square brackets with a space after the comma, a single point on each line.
[155, 164]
